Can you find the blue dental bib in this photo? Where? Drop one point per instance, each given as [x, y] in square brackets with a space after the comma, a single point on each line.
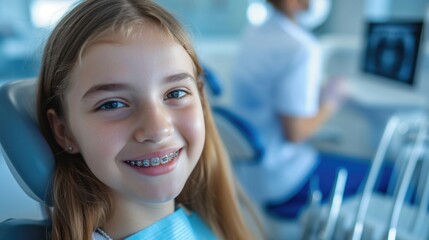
[178, 225]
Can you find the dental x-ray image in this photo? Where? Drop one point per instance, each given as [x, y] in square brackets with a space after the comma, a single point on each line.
[392, 49]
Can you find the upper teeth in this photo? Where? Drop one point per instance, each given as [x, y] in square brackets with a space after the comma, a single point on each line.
[155, 161]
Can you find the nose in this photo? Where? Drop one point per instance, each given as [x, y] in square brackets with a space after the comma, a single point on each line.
[154, 125]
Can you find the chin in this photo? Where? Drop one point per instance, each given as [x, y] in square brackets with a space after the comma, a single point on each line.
[165, 195]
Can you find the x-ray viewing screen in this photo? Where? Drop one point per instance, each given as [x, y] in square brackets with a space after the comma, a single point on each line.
[391, 50]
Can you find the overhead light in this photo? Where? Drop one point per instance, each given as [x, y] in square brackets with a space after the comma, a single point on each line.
[257, 13]
[47, 13]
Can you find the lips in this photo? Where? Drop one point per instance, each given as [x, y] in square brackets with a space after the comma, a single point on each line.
[154, 161]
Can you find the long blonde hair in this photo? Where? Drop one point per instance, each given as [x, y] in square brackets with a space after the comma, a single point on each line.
[81, 201]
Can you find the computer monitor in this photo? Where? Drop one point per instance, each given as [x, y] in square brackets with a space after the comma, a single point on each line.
[392, 49]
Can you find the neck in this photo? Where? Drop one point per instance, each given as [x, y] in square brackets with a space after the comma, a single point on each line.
[129, 217]
[290, 9]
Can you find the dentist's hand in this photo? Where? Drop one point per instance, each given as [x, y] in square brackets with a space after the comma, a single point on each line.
[334, 92]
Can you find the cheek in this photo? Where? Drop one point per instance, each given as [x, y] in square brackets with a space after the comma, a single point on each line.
[96, 141]
[193, 130]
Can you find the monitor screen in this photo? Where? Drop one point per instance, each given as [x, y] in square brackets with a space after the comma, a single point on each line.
[391, 49]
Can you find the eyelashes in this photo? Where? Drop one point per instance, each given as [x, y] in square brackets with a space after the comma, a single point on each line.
[176, 94]
[110, 105]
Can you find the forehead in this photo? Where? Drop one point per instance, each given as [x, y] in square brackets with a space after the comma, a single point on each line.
[146, 37]
[147, 50]
[127, 33]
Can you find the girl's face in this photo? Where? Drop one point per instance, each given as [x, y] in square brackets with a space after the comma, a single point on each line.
[134, 113]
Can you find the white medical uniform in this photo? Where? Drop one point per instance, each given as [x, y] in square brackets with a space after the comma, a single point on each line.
[277, 72]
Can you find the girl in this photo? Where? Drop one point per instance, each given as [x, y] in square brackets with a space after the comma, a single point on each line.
[123, 108]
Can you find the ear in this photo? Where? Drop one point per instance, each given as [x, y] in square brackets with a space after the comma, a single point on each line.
[61, 132]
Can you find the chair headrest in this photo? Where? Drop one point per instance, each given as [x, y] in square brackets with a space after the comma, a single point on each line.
[241, 139]
[25, 150]
[213, 82]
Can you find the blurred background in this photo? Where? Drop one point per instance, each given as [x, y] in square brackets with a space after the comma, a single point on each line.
[25, 24]
[216, 27]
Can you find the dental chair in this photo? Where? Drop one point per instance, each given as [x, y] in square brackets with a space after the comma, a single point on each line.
[27, 155]
[240, 138]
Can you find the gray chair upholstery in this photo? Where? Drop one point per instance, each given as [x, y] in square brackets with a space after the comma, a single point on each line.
[27, 155]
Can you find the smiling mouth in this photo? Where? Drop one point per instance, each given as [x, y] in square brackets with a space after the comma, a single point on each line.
[155, 161]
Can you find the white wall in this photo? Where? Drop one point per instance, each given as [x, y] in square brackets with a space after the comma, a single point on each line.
[408, 8]
[346, 18]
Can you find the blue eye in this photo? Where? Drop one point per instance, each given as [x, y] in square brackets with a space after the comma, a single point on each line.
[111, 105]
[176, 94]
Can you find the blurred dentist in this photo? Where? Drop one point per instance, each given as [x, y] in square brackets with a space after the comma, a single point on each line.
[277, 88]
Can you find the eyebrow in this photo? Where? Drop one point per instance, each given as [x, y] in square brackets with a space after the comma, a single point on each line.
[179, 77]
[111, 87]
[105, 87]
